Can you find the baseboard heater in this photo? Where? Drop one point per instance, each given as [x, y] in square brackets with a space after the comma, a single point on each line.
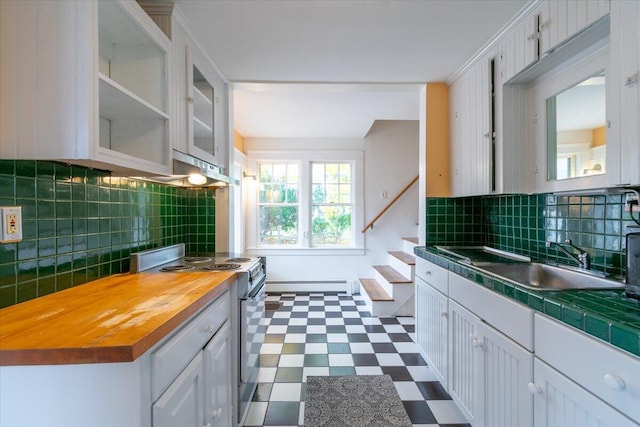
[311, 286]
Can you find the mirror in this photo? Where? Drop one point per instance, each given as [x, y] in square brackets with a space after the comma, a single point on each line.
[577, 131]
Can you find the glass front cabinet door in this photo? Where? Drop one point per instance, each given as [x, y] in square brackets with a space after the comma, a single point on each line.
[205, 109]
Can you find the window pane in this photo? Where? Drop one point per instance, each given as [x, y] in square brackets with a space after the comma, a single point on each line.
[331, 225]
[292, 193]
[278, 225]
[333, 194]
[278, 209]
[333, 172]
[345, 173]
[292, 174]
[317, 195]
[317, 173]
[345, 194]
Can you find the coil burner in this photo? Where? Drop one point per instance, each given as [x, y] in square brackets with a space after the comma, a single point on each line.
[177, 268]
[196, 259]
[234, 260]
[222, 267]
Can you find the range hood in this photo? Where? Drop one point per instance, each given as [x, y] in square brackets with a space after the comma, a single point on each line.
[189, 170]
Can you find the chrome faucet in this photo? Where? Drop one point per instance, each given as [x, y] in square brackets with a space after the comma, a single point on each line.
[582, 258]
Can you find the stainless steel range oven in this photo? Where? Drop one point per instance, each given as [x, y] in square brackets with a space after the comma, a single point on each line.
[247, 310]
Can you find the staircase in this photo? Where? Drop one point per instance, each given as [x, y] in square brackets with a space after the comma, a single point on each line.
[390, 292]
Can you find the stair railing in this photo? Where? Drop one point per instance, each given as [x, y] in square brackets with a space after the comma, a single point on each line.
[386, 208]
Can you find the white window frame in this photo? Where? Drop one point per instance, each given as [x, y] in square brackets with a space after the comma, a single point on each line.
[305, 159]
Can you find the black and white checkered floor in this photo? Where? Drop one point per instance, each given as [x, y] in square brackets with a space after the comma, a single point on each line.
[334, 334]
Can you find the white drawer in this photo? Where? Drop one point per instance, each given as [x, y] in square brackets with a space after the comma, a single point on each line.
[434, 275]
[512, 319]
[172, 357]
[610, 374]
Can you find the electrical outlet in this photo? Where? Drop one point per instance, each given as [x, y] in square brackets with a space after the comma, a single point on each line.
[631, 200]
[11, 222]
[383, 195]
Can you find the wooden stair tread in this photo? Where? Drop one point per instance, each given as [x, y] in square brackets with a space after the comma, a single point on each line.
[404, 257]
[411, 239]
[391, 275]
[374, 290]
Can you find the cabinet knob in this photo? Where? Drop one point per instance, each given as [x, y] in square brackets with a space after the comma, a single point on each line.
[444, 314]
[189, 99]
[614, 382]
[534, 388]
[210, 329]
[476, 343]
[427, 272]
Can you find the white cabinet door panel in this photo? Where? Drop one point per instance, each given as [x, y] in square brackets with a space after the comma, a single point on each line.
[432, 328]
[508, 368]
[182, 403]
[597, 368]
[562, 403]
[464, 362]
[218, 379]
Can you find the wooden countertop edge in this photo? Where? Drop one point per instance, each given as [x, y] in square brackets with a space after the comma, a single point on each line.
[112, 354]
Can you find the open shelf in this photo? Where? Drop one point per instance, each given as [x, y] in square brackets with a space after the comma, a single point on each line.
[117, 102]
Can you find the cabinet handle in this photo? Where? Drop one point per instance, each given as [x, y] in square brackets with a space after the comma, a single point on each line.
[631, 80]
[614, 382]
[532, 37]
[210, 329]
[544, 25]
[427, 272]
[189, 99]
[534, 388]
[444, 314]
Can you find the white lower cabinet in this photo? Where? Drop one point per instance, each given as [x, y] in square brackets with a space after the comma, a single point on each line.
[464, 366]
[182, 403]
[493, 374]
[201, 395]
[559, 402]
[507, 370]
[488, 373]
[218, 379]
[432, 328]
[609, 378]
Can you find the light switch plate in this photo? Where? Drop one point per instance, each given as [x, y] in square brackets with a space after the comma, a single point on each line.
[11, 222]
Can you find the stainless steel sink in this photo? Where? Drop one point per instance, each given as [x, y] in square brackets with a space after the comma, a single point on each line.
[544, 277]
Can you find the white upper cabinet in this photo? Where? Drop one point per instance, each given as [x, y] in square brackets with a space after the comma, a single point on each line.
[562, 19]
[625, 81]
[200, 95]
[206, 109]
[472, 133]
[519, 48]
[84, 82]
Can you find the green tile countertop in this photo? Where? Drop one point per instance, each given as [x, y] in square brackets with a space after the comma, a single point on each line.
[605, 314]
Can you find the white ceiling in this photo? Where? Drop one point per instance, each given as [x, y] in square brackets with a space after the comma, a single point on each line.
[339, 44]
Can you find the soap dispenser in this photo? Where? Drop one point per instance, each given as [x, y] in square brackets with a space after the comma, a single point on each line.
[633, 265]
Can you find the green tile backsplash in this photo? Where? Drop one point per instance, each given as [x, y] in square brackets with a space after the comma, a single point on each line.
[523, 223]
[81, 224]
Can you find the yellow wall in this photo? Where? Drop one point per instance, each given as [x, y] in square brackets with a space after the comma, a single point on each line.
[599, 136]
[437, 141]
[238, 141]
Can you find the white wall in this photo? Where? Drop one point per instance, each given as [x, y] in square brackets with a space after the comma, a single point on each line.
[390, 162]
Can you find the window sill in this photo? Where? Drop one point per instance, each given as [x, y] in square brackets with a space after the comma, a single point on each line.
[305, 251]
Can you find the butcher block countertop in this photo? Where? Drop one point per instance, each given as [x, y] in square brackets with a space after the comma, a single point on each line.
[113, 319]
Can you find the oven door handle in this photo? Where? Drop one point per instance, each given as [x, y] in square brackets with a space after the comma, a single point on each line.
[256, 292]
